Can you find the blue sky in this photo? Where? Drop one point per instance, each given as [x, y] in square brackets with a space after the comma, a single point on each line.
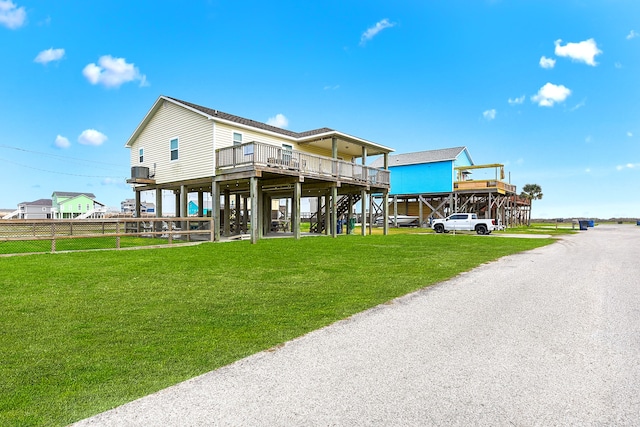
[549, 88]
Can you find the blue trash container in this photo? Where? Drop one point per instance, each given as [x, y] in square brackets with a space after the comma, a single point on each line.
[339, 227]
[638, 222]
[583, 225]
[591, 223]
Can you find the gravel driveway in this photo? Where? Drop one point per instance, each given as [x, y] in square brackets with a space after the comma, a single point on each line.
[546, 337]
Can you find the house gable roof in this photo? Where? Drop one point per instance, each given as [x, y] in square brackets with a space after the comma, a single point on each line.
[421, 157]
[39, 202]
[311, 136]
[72, 194]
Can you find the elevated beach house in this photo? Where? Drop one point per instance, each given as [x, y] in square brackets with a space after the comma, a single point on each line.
[437, 183]
[184, 148]
[73, 205]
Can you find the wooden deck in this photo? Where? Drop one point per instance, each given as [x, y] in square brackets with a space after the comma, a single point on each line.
[485, 186]
[254, 156]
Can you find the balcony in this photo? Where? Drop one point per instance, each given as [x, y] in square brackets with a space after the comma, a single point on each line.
[275, 159]
[495, 184]
[484, 185]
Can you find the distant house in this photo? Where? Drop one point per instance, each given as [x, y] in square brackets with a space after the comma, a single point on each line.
[128, 206]
[68, 205]
[38, 209]
[193, 208]
[437, 183]
[425, 172]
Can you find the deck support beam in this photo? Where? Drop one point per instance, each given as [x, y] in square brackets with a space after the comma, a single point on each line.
[227, 213]
[363, 212]
[184, 200]
[215, 210]
[385, 212]
[295, 208]
[158, 203]
[138, 209]
[238, 224]
[334, 211]
[253, 196]
[200, 203]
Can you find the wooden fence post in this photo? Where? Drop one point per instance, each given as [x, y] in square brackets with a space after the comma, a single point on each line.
[53, 237]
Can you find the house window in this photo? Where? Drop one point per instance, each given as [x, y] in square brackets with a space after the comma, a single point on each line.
[174, 149]
[237, 138]
[88, 207]
[79, 207]
[141, 155]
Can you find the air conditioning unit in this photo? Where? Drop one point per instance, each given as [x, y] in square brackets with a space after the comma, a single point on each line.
[139, 172]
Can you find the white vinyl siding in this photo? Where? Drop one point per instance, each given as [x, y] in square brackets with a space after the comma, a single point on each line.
[195, 134]
[195, 141]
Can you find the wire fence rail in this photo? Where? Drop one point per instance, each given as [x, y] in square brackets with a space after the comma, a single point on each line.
[37, 236]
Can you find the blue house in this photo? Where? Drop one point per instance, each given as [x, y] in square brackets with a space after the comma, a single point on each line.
[426, 172]
[436, 183]
[192, 208]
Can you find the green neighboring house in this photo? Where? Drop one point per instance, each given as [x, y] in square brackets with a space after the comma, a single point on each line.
[68, 205]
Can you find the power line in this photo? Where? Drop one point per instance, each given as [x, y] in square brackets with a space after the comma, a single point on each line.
[59, 173]
[56, 155]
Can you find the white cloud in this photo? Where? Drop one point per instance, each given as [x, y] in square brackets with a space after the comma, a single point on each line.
[516, 101]
[547, 62]
[550, 94]
[618, 65]
[278, 121]
[62, 142]
[628, 166]
[588, 139]
[113, 72]
[584, 51]
[629, 134]
[489, 114]
[579, 105]
[11, 16]
[92, 137]
[373, 31]
[588, 170]
[632, 35]
[335, 87]
[49, 55]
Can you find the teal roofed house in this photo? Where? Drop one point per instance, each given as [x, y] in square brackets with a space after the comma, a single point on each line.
[70, 205]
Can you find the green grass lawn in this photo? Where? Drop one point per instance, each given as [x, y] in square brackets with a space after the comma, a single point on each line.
[78, 244]
[84, 332]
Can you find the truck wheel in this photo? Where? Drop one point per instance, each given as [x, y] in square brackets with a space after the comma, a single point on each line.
[439, 228]
[481, 229]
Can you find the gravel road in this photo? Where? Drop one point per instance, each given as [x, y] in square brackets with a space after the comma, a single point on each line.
[546, 337]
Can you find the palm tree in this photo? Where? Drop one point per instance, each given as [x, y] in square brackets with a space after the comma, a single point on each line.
[531, 192]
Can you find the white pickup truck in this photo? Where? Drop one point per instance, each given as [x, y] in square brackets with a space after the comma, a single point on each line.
[464, 221]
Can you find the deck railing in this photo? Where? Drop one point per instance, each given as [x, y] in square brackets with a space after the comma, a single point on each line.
[483, 185]
[266, 155]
